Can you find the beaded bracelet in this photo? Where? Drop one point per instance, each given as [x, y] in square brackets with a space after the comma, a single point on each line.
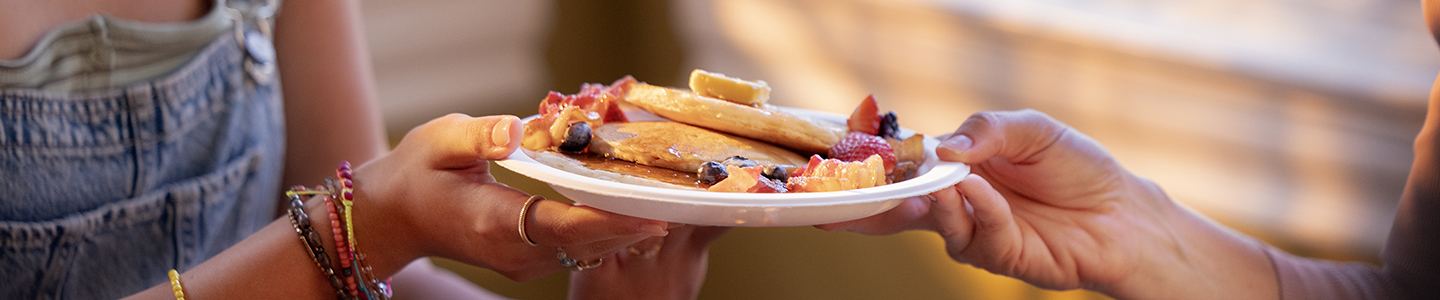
[175, 285]
[359, 280]
[300, 221]
[338, 233]
[343, 187]
[369, 285]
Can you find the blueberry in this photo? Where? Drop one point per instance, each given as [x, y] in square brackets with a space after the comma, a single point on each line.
[739, 161]
[711, 173]
[779, 173]
[889, 126]
[577, 138]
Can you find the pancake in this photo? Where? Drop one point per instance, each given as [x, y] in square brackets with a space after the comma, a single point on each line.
[681, 147]
[615, 170]
[761, 123]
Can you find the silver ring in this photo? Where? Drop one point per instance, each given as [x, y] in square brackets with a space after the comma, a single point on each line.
[524, 212]
[575, 265]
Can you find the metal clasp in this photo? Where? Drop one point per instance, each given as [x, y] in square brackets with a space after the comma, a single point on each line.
[259, 50]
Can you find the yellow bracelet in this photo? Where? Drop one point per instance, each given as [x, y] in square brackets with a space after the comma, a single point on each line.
[175, 285]
[349, 226]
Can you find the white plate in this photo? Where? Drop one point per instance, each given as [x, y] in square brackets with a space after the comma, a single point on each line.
[741, 209]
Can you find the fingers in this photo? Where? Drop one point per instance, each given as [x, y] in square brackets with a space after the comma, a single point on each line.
[952, 222]
[1013, 135]
[458, 141]
[909, 215]
[683, 242]
[995, 232]
[605, 248]
[559, 224]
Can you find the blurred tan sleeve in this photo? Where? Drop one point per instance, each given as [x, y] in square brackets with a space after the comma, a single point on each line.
[1303, 278]
[1412, 253]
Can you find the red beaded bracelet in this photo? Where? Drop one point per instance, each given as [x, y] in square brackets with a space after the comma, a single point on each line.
[369, 286]
[341, 249]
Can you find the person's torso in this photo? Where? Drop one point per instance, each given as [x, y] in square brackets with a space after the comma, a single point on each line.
[117, 167]
[24, 22]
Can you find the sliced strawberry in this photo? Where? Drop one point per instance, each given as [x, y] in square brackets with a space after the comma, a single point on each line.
[857, 146]
[618, 88]
[866, 117]
[587, 95]
[814, 162]
[613, 113]
[551, 103]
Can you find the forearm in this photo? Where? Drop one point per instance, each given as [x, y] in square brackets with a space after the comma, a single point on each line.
[274, 264]
[1197, 258]
[330, 104]
[423, 280]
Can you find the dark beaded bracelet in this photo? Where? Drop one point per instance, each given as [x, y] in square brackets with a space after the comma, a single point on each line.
[300, 221]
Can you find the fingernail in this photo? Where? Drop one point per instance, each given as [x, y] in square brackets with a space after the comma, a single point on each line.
[956, 144]
[500, 134]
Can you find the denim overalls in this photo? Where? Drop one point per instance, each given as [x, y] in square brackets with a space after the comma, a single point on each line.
[104, 190]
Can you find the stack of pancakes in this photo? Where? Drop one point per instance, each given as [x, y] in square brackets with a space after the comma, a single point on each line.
[696, 129]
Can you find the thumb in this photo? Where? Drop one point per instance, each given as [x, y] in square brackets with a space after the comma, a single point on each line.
[459, 141]
[1016, 136]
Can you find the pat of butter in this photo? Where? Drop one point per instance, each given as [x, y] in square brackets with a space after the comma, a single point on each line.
[716, 85]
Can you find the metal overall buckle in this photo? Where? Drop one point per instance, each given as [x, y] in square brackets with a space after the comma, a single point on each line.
[259, 50]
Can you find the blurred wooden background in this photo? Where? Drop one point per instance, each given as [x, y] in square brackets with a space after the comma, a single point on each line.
[1291, 120]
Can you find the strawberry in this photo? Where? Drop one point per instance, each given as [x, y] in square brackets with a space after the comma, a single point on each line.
[857, 146]
[613, 112]
[814, 162]
[866, 117]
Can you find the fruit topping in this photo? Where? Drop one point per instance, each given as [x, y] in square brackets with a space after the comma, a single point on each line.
[595, 104]
[858, 146]
[740, 180]
[889, 126]
[865, 118]
[768, 185]
[836, 175]
[779, 173]
[903, 171]
[577, 138]
[911, 149]
[747, 180]
[711, 173]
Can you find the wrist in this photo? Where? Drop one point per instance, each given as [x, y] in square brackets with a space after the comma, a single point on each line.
[1148, 217]
[1188, 254]
[1161, 256]
[381, 232]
